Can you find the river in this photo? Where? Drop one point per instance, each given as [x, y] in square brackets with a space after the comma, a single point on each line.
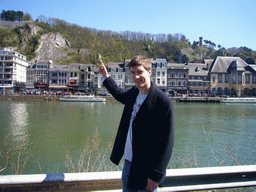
[58, 137]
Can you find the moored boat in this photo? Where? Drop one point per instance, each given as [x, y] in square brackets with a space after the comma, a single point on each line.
[82, 99]
[238, 100]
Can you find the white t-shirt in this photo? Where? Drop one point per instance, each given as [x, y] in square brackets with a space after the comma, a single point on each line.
[128, 146]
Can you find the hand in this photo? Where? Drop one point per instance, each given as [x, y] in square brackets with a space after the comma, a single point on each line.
[152, 185]
[102, 69]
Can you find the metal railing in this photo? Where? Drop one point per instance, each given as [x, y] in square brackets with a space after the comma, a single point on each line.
[190, 179]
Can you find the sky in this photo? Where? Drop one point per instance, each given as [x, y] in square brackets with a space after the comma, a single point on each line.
[229, 23]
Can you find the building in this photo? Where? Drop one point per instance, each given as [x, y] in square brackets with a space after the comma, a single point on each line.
[177, 78]
[13, 67]
[232, 76]
[87, 76]
[116, 71]
[58, 78]
[38, 75]
[81, 76]
[128, 77]
[199, 79]
[159, 73]
[74, 76]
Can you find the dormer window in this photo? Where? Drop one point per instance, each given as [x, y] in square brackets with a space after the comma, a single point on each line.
[197, 69]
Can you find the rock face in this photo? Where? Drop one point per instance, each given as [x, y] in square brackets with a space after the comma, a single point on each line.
[30, 31]
[49, 47]
[50, 43]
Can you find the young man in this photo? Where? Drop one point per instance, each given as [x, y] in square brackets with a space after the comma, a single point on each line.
[146, 131]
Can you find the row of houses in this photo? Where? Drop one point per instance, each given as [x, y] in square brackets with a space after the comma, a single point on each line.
[221, 76]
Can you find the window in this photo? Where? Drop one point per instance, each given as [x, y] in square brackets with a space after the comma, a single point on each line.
[226, 78]
[247, 78]
[220, 78]
[158, 81]
[254, 79]
[163, 73]
[54, 74]
[158, 73]
[239, 78]
[233, 78]
[213, 79]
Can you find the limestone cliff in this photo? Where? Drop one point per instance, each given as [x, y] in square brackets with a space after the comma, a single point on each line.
[47, 46]
[50, 45]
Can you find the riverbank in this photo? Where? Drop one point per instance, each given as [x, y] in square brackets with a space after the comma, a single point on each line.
[199, 99]
[38, 97]
[108, 98]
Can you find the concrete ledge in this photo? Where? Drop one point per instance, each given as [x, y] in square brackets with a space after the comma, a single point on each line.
[177, 180]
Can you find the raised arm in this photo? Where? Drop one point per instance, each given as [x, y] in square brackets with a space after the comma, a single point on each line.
[102, 69]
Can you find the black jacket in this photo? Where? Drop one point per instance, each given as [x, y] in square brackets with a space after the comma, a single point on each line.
[152, 134]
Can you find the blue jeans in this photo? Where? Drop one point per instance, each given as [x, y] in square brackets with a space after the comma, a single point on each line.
[125, 174]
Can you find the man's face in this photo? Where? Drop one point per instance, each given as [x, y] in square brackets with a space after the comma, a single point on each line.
[140, 76]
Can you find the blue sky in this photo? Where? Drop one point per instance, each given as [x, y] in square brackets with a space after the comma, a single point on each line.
[230, 23]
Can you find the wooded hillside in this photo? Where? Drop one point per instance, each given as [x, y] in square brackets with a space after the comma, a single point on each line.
[87, 43]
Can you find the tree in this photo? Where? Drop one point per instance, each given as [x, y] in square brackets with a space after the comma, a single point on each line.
[27, 17]
[8, 15]
[250, 60]
[11, 15]
[3, 14]
[195, 45]
[19, 15]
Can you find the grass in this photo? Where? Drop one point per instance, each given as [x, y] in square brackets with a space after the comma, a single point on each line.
[15, 161]
[91, 159]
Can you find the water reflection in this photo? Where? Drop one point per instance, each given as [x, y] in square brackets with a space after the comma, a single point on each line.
[19, 123]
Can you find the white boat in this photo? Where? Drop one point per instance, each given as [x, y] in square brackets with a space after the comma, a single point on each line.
[238, 100]
[82, 99]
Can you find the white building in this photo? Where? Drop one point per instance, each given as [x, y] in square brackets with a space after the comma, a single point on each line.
[13, 66]
[116, 71]
[159, 73]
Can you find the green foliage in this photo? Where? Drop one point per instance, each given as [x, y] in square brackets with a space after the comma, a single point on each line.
[115, 46]
[11, 15]
[27, 17]
[8, 38]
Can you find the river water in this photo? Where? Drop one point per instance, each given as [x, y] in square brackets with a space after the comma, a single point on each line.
[58, 137]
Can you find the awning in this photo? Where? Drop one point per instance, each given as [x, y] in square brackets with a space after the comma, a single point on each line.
[57, 87]
[44, 86]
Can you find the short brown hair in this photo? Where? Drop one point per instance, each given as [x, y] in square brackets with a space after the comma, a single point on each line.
[140, 60]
